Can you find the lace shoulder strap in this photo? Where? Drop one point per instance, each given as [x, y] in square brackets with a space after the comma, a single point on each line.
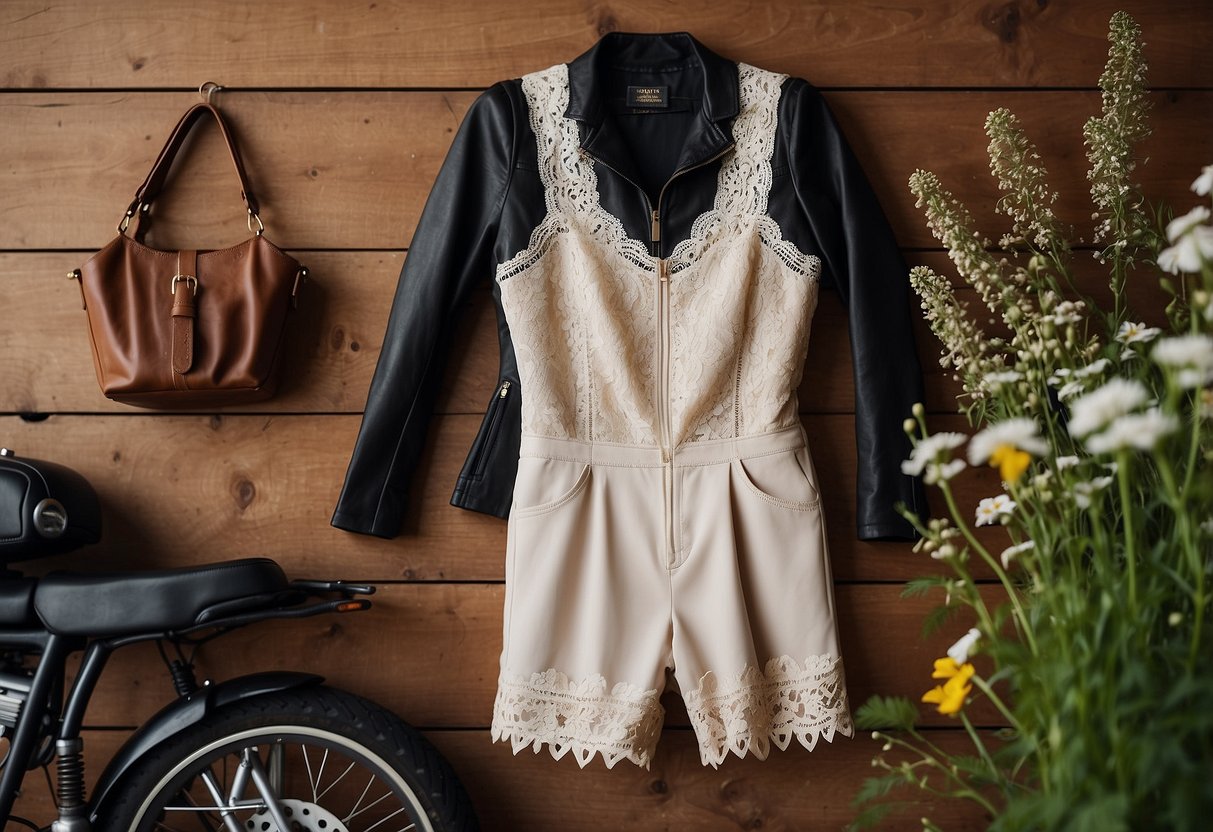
[745, 178]
[547, 96]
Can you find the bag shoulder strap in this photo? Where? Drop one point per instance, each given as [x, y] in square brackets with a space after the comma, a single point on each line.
[154, 183]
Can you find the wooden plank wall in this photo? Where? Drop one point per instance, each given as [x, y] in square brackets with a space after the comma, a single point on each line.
[346, 112]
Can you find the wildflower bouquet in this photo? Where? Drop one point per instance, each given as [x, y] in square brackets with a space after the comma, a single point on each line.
[1098, 653]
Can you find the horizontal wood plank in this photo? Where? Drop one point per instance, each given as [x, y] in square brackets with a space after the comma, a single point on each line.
[442, 643]
[332, 44]
[267, 485]
[334, 340]
[352, 170]
[791, 790]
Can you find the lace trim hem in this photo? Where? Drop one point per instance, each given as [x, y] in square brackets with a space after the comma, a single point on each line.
[579, 716]
[748, 712]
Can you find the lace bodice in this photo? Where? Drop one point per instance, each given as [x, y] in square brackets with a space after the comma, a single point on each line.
[584, 304]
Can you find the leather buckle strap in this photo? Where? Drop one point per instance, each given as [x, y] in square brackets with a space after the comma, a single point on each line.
[184, 312]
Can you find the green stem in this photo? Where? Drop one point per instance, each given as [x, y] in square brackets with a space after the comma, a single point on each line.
[964, 790]
[1126, 506]
[995, 771]
[985, 688]
[1022, 623]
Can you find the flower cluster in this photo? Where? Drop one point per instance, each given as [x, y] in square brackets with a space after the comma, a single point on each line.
[1110, 139]
[965, 346]
[1099, 424]
[1027, 199]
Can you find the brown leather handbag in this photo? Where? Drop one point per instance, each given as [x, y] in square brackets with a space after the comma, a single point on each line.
[188, 329]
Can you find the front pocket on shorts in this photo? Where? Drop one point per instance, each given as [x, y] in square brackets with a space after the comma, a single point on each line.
[544, 485]
[782, 479]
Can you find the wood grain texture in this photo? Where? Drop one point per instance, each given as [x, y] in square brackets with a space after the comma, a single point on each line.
[791, 790]
[266, 485]
[346, 112]
[352, 170]
[430, 652]
[334, 343]
[327, 43]
[334, 339]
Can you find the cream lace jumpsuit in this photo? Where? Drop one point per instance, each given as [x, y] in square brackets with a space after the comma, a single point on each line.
[666, 512]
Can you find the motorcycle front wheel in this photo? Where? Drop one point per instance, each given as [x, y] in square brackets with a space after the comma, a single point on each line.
[313, 759]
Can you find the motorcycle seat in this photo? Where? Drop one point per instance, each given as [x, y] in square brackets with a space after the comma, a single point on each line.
[16, 601]
[124, 603]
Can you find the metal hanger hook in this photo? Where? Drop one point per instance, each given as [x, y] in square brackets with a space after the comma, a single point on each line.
[207, 89]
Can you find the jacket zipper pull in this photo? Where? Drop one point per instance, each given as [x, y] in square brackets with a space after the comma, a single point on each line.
[655, 231]
[505, 386]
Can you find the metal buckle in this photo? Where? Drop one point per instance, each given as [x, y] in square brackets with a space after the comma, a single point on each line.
[260, 225]
[190, 281]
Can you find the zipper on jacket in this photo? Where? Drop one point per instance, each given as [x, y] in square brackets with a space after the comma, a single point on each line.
[667, 451]
[490, 429]
[665, 428]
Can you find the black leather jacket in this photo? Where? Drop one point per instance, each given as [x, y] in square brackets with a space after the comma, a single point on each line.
[488, 198]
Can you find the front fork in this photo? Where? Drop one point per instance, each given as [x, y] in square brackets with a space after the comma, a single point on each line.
[268, 782]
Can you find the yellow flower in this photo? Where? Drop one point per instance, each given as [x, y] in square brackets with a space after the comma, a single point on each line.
[950, 696]
[1011, 462]
[1009, 445]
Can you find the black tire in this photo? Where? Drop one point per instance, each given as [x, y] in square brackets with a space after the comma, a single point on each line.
[324, 719]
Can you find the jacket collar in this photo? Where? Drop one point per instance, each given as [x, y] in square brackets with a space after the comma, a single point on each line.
[712, 131]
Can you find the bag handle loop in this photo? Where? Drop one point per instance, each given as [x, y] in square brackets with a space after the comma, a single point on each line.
[154, 183]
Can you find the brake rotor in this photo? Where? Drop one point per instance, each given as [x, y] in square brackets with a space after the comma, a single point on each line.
[302, 816]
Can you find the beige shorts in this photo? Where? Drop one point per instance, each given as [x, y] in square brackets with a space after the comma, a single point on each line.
[621, 568]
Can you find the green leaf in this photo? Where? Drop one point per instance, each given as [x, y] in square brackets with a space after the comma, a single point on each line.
[936, 618]
[874, 788]
[872, 815]
[922, 586]
[895, 712]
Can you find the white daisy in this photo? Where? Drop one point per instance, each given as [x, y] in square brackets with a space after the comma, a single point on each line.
[930, 447]
[1019, 432]
[1131, 333]
[1180, 226]
[1070, 389]
[942, 472]
[1094, 368]
[994, 380]
[1192, 354]
[1083, 491]
[1135, 430]
[1009, 553]
[1064, 462]
[1204, 182]
[959, 652]
[1188, 254]
[990, 509]
[1115, 398]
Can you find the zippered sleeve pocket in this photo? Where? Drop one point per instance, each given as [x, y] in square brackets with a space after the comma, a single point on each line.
[491, 425]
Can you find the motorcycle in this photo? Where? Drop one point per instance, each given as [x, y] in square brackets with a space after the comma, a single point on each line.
[273, 751]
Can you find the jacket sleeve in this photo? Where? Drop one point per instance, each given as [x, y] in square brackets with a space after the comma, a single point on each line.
[451, 251]
[860, 258]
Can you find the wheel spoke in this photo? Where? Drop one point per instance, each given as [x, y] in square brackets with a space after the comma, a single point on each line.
[389, 817]
[340, 777]
[308, 765]
[367, 806]
[225, 784]
[370, 782]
